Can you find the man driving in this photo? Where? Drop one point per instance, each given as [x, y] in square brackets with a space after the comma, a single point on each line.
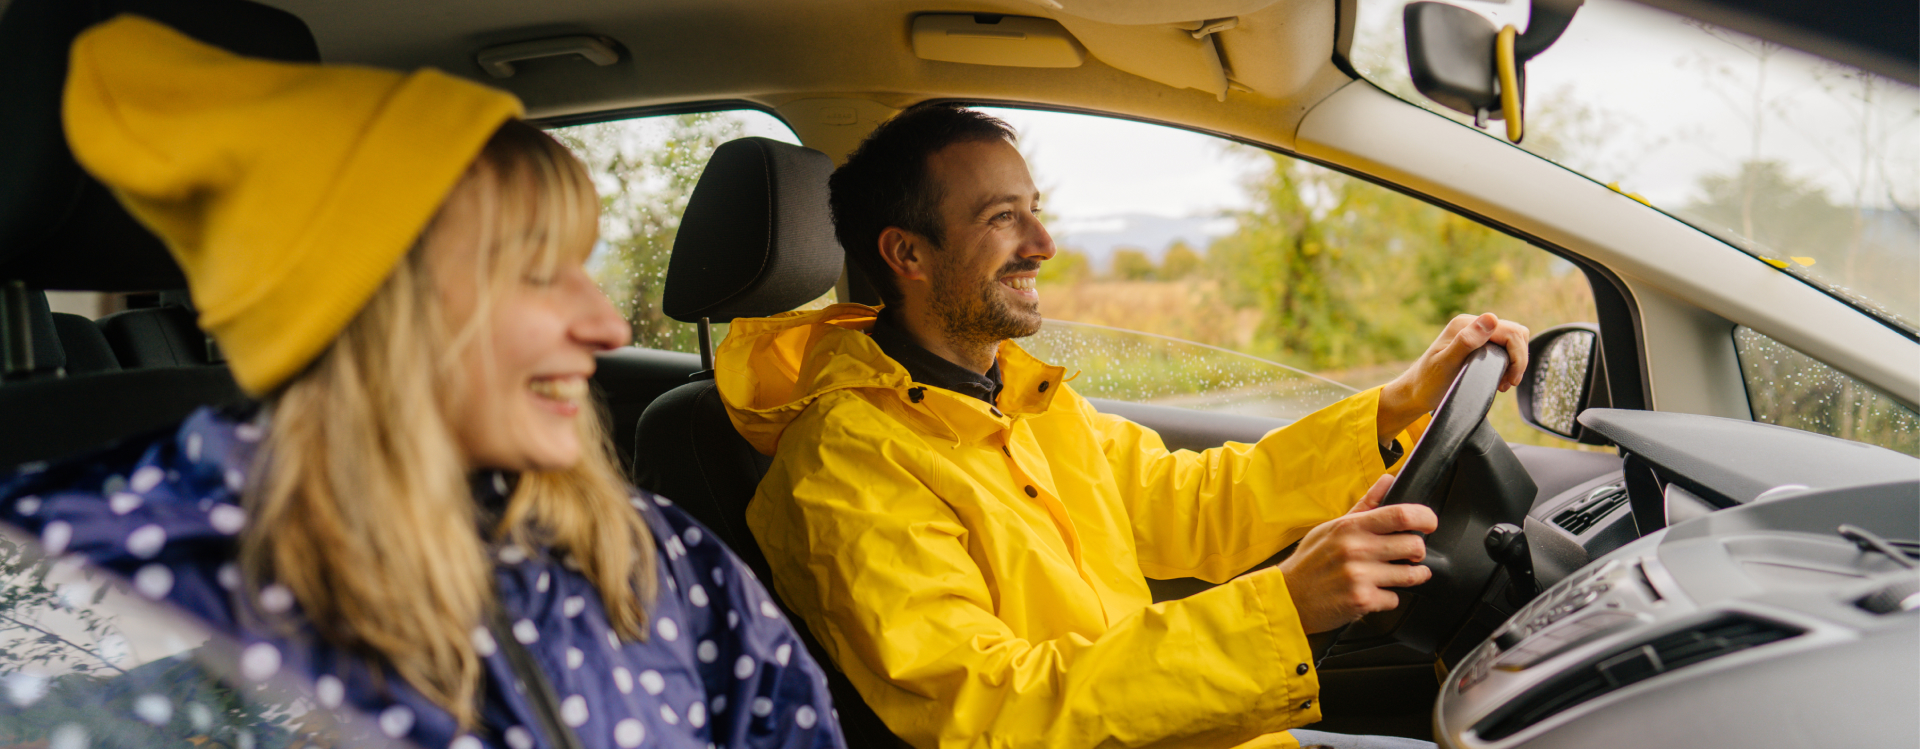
[968, 537]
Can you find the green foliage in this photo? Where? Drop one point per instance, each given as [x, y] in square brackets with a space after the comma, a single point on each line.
[1180, 262]
[1129, 264]
[646, 170]
[1347, 274]
[1791, 389]
[1065, 267]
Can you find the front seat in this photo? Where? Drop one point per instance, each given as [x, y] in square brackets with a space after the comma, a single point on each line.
[756, 240]
[60, 229]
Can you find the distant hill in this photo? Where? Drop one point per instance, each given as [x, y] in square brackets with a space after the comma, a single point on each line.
[1097, 238]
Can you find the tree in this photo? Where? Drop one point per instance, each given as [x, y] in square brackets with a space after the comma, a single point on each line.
[1770, 207]
[645, 171]
[1180, 261]
[1066, 267]
[1130, 264]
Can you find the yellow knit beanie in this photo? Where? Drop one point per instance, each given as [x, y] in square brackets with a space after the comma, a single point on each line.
[286, 192]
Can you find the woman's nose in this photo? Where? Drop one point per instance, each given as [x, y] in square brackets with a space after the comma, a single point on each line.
[597, 323]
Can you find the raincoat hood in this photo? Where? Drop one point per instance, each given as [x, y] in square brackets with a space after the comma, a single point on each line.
[769, 369]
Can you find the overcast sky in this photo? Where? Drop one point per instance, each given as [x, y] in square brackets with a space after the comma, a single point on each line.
[1665, 103]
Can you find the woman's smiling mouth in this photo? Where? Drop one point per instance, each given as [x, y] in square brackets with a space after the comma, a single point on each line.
[562, 393]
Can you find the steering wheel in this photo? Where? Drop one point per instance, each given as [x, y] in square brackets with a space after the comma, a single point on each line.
[1464, 471]
[1461, 411]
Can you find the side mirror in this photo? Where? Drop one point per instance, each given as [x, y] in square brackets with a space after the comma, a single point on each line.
[1460, 61]
[1564, 377]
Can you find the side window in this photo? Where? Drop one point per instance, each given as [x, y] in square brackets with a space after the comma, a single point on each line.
[645, 169]
[1791, 389]
[88, 660]
[1201, 273]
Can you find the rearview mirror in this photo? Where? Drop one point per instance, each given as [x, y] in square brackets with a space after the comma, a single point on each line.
[1460, 61]
[1563, 378]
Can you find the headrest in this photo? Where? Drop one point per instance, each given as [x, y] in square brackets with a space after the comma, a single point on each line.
[59, 229]
[757, 236]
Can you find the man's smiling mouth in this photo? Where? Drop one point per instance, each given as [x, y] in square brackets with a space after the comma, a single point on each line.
[1020, 283]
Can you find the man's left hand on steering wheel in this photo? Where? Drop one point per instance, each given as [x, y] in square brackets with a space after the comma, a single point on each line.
[1418, 390]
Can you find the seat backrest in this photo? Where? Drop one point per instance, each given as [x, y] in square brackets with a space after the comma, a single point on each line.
[756, 240]
[60, 229]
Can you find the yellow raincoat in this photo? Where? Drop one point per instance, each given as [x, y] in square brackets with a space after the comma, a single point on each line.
[978, 574]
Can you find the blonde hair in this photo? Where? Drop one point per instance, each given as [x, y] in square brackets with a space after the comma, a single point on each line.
[361, 505]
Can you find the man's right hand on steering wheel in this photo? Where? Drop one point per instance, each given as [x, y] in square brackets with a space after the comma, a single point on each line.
[1418, 390]
[1344, 566]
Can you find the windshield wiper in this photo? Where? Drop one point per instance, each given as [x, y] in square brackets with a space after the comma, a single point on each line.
[1869, 541]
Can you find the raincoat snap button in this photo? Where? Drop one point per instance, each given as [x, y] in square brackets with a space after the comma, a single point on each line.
[1306, 705]
[1032, 492]
[1043, 386]
[1302, 670]
[915, 394]
[996, 411]
[1007, 450]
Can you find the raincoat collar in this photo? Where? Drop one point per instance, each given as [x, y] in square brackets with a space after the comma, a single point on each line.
[928, 367]
[769, 369]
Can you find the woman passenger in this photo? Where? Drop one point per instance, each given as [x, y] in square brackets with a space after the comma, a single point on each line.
[421, 514]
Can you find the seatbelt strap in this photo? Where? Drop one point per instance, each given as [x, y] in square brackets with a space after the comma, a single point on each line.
[539, 691]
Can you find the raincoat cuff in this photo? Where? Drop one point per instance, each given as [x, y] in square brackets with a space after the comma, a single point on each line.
[1409, 437]
[1296, 695]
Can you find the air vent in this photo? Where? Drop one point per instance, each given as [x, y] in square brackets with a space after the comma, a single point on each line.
[1629, 665]
[1902, 595]
[1589, 512]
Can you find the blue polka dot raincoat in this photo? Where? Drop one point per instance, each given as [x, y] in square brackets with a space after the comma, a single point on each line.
[721, 667]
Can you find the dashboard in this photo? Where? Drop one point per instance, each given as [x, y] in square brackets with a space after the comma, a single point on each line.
[1732, 584]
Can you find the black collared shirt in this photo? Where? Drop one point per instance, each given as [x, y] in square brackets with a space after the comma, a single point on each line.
[929, 368]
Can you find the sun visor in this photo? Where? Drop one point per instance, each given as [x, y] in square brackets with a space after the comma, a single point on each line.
[1009, 41]
[1143, 12]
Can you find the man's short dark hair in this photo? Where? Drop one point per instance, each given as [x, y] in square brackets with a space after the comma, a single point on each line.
[885, 183]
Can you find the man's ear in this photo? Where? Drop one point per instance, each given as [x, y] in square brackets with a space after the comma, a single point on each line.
[905, 252]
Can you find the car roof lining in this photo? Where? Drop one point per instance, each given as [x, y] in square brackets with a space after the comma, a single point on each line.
[1279, 56]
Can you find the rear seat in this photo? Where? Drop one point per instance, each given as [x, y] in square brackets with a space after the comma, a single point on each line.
[91, 382]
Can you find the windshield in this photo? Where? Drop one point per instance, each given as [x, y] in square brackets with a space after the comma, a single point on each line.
[1811, 166]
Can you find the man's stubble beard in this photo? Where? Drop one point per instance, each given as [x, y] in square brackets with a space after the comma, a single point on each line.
[976, 315]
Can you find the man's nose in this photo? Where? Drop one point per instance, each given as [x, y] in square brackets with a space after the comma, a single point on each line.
[1039, 242]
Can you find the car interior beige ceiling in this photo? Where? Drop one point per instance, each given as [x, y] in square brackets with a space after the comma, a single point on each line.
[1248, 68]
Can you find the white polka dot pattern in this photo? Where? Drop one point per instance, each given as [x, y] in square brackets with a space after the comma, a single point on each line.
[330, 690]
[396, 721]
[519, 738]
[227, 519]
[525, 631]
[146, 541]
[124, 502]
[260, 661]
[153, 581]
[629, 733]
[651, 681]
[573, 711]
